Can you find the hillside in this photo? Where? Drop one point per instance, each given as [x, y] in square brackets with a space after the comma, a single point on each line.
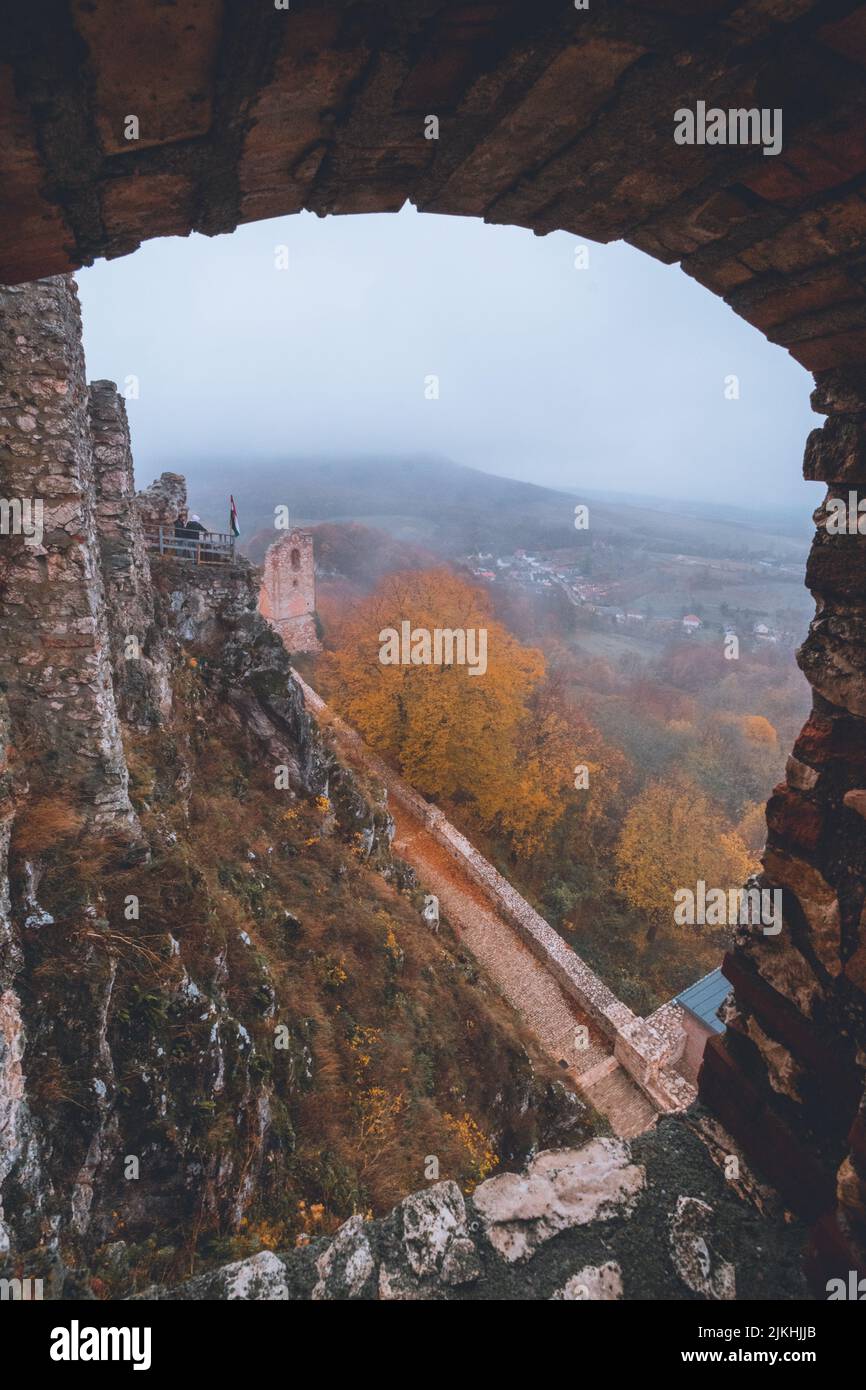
[454, 509]
[224, 1022]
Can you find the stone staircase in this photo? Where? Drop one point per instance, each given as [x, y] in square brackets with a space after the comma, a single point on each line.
[624, 1065]
[566, 1034]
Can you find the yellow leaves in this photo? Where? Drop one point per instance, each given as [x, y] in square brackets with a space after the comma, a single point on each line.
[379, 1112]
[393, 949]
[759, 729]
[451, 733]
[671, 837]
[481, 1158]
[333, 972]
[738, 861]
[752, 828]
[363, 1043]
[323, 804]
[266, 1235]
[311, 1218]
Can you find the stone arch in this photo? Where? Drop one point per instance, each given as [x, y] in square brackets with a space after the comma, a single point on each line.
[551, 118]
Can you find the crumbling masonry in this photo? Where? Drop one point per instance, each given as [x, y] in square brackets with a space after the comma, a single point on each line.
[288, 593]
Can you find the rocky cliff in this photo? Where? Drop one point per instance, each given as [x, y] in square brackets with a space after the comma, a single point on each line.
[651, 1219]
[229, 1043]
[224, 1022]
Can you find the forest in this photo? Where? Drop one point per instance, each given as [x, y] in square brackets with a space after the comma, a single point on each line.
[599, 787]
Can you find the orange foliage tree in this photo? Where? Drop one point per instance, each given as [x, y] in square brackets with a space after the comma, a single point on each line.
[479, 738]
[672, 836]
[759, 729]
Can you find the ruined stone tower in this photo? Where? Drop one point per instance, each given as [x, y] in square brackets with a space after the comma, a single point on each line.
[288, 594]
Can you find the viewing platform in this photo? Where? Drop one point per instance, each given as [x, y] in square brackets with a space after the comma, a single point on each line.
[206, 548]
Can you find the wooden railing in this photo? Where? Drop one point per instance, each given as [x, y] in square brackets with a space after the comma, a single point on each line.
[205, 548]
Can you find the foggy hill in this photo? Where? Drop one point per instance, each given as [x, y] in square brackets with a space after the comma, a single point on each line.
[455, 509]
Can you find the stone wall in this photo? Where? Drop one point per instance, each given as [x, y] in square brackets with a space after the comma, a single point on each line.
[787, 1077]
[288, 593]
[55, 657]
[644, 1050]
[16, 1146]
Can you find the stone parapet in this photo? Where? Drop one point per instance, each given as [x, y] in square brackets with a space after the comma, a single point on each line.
[646, 1052]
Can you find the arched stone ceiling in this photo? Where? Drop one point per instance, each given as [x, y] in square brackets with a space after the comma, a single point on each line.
[550, 117]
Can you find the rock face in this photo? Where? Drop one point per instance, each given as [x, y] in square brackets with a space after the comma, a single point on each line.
[55, 656]
[560, 1189]
[163, 1012]
[138, 656]
[162, 502]
[649, 1219]
[93, 637]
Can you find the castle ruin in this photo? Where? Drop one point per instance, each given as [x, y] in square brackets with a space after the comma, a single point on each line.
[288, 593]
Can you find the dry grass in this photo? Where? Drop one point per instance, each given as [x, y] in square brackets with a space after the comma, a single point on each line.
[44, 824]
[398, 1052]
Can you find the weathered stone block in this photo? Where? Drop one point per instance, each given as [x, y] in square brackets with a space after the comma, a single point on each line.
[786, 1161]
[840, 391]
[833, 657]
[794, 819]
[817, 901]
[836, 566]
[837, 452]
[800, 775]
[777, 1015]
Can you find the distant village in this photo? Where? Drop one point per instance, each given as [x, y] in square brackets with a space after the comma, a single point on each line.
[536, 573]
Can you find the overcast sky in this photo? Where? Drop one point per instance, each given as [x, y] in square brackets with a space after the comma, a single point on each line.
[609, 377]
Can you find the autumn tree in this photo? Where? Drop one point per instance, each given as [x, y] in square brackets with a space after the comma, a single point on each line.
[453, 734]
[601, 772]
[758, 729]
[735, 759]
[752, 828]
[672, 836]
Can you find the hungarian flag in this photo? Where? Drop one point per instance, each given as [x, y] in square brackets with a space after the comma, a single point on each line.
[233, 518]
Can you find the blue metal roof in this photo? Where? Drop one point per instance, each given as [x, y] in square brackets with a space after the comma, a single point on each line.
[704, 998]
